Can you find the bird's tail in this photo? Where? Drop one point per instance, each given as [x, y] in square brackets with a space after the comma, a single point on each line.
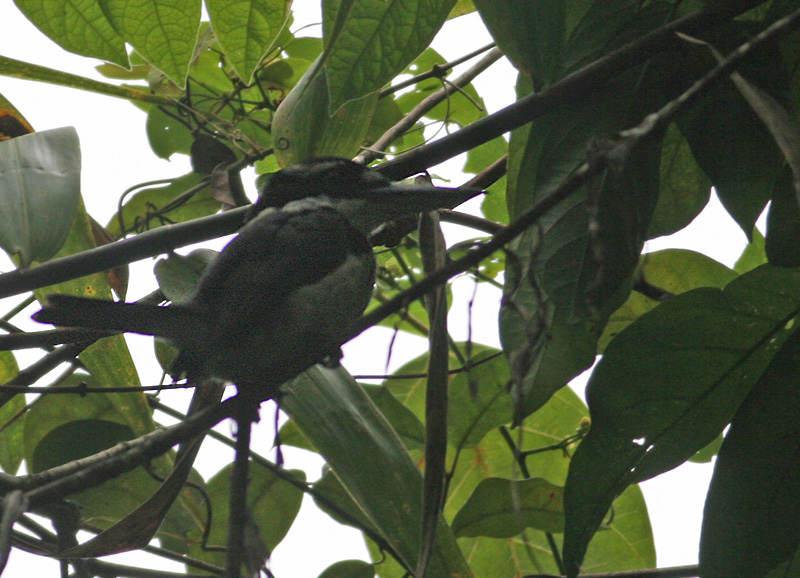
[175, 322]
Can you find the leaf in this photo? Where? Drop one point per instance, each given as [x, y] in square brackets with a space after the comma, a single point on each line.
[754, 255]
[531, 34]
[272, 502]
[79, 26]
[12, 123]
[167, 135]
[668, 384]
[393, 507]
[137, 211]
[39, 192]
[164, 33]
[500, 508]
[349, 569]
[247, 30]
[728, 140]
[673, 271]
[373, 40]
[108, 360]
[404, 422]
[561, 281]
[62, 428]
[303, 128]
[685, 189]
[750, 518]
[178, 275]
[11, 440]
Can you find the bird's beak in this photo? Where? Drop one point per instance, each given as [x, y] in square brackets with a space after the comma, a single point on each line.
[399, 199]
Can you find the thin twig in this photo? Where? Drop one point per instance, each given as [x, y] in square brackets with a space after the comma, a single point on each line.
[410, 119]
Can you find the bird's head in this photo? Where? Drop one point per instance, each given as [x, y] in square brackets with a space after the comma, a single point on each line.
[364, 196]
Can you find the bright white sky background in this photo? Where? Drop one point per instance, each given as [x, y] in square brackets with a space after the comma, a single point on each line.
[116, 155]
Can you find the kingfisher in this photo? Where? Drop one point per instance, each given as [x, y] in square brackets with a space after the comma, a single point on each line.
[284, 293]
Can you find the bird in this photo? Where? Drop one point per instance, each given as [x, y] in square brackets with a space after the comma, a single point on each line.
[284, 293]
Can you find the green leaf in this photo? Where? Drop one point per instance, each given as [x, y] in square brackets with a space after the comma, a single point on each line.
[303, 128]
[178, 275]
[163, 32]
[685, 189]
[39, 192]
[333, 499]
[272, 502]
[672, 270]
[750, 518]
[373, 40]
[531, 34]
[363, 449]
[754, 255]
[137, 212]
[595, 26]
[166, 134]
[783, 230]
[349, 569]
[247, 30]
[78, 26]
[501, 508]
[668, 384]
[708, 453]
[561, 281]
[479, 400]
[12, 451]
[728, 140]
[404, 422]
[62, 428]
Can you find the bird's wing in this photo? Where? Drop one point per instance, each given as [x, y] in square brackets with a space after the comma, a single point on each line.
[272, 257]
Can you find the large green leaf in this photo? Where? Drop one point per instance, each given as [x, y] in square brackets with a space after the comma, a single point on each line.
[163, 32]
[373, 40]
[247, 29]
[627, 542]
[728, 140]
[531, 34]
[368, 457]
[501, 508]
[273, 504]
[668, 384]
[78, 26]
[303, 127]
[136, 212]
[573, 267]
[39, 192]
[750, 519]
[685, 189]
[108, 360]
[673, 271]
[62, 428]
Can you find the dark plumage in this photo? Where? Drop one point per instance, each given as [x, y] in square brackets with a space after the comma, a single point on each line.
[283, 293]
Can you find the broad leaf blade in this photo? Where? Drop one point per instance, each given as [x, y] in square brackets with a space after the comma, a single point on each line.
[750, 519]
[78, 26]
[375, 42]
[164, 33]
[247, 30]
[39, 192]
[668, 384]
[501, 508]
[367, 456]
[303, 128]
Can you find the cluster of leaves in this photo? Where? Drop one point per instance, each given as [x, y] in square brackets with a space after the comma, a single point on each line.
[688, 345]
